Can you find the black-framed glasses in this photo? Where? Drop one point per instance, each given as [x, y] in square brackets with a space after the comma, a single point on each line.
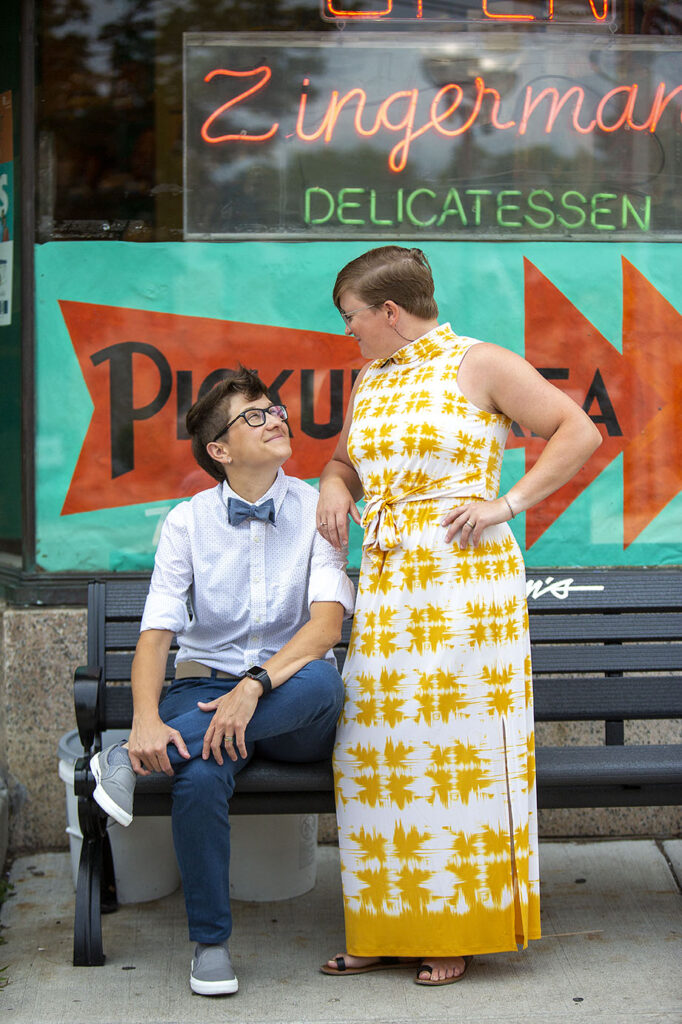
[347, 317]
[256, 417]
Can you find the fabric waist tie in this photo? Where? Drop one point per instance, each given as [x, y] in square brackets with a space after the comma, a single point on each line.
[377, 518]
[190, 669]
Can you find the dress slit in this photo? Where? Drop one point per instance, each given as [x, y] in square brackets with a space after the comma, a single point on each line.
[519, 929]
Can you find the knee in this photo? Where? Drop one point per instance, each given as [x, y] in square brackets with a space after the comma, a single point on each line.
[201, 780]
[328, 683]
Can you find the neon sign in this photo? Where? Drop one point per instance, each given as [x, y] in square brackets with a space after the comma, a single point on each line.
[536, 209]
[500, 11]
[397, 112]
[493, 134]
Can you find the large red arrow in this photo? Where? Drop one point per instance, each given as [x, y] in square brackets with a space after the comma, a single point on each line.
[162, 359]
[558, 336]
[652, 341]
[643, 389]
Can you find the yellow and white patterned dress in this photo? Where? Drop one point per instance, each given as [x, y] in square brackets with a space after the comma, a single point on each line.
[434, 758]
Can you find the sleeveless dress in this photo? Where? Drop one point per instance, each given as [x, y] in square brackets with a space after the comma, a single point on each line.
[434, 758]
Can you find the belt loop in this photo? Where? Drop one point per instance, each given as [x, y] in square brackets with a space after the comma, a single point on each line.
[214, 673]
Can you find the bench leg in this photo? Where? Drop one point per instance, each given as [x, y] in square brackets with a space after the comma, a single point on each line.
[95, 887]
[108, 898]
[87, 926]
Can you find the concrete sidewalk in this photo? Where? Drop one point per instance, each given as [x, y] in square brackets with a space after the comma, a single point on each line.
[611, 953]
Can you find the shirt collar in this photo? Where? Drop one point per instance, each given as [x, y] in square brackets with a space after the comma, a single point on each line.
[277, 492]
[429, 346]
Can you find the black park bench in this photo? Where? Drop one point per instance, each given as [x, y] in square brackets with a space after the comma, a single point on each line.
[606, 646]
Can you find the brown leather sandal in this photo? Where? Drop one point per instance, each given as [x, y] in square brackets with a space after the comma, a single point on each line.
[440, 981]
[382, 963]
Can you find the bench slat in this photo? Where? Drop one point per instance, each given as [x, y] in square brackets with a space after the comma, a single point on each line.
[591, 768]
[555, 658]
[595, 766]
[122, 635]
[262, 776]
[126, 599]
[637, 657]
[649, 626]
[556, 700]
[117, 667]
[609, 589]
[602, 699]
[618, 589]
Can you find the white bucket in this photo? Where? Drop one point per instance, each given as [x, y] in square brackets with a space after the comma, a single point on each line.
[273, 856]
[145, 867]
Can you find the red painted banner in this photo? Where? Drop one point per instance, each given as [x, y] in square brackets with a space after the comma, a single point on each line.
[144, 369]
[136, 449]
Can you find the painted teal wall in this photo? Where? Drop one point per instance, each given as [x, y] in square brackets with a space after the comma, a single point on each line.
[480, 290]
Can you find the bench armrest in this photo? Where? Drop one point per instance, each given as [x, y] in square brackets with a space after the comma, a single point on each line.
[86, 697]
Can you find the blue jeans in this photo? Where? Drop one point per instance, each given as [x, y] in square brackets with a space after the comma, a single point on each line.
[296, 722]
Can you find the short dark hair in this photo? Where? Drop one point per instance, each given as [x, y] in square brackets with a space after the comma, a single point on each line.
[212, 411]
[390, 272]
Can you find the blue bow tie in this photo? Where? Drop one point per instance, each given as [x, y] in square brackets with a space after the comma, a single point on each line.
[238, 510]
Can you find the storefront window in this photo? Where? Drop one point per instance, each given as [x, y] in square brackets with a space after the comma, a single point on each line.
[532, 148]
[502, 119]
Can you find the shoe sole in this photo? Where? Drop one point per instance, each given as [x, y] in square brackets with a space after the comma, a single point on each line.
[101, 797]
[212, 988]
[349, 972]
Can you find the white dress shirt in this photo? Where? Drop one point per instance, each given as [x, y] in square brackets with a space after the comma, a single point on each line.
[249, 586]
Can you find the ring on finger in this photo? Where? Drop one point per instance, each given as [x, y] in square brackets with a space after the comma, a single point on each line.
[229, 739]
[470, 525]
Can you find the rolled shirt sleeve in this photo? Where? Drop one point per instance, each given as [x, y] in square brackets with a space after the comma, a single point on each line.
[328, 580]
[166, 604]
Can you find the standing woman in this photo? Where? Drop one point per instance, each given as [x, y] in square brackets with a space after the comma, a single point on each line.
[434, 757]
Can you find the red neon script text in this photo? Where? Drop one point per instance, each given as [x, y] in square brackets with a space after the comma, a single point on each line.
[398, 112]
[266, 76]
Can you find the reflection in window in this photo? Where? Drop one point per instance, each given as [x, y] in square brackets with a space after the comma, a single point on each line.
[110, 94]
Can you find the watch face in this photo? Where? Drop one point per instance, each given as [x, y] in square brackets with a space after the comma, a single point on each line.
[261, 675]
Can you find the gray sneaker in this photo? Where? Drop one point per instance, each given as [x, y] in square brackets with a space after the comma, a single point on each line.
[115, 783]
[212, 972]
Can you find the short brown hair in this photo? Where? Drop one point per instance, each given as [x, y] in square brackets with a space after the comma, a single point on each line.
[211, 412]
[390, 272]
